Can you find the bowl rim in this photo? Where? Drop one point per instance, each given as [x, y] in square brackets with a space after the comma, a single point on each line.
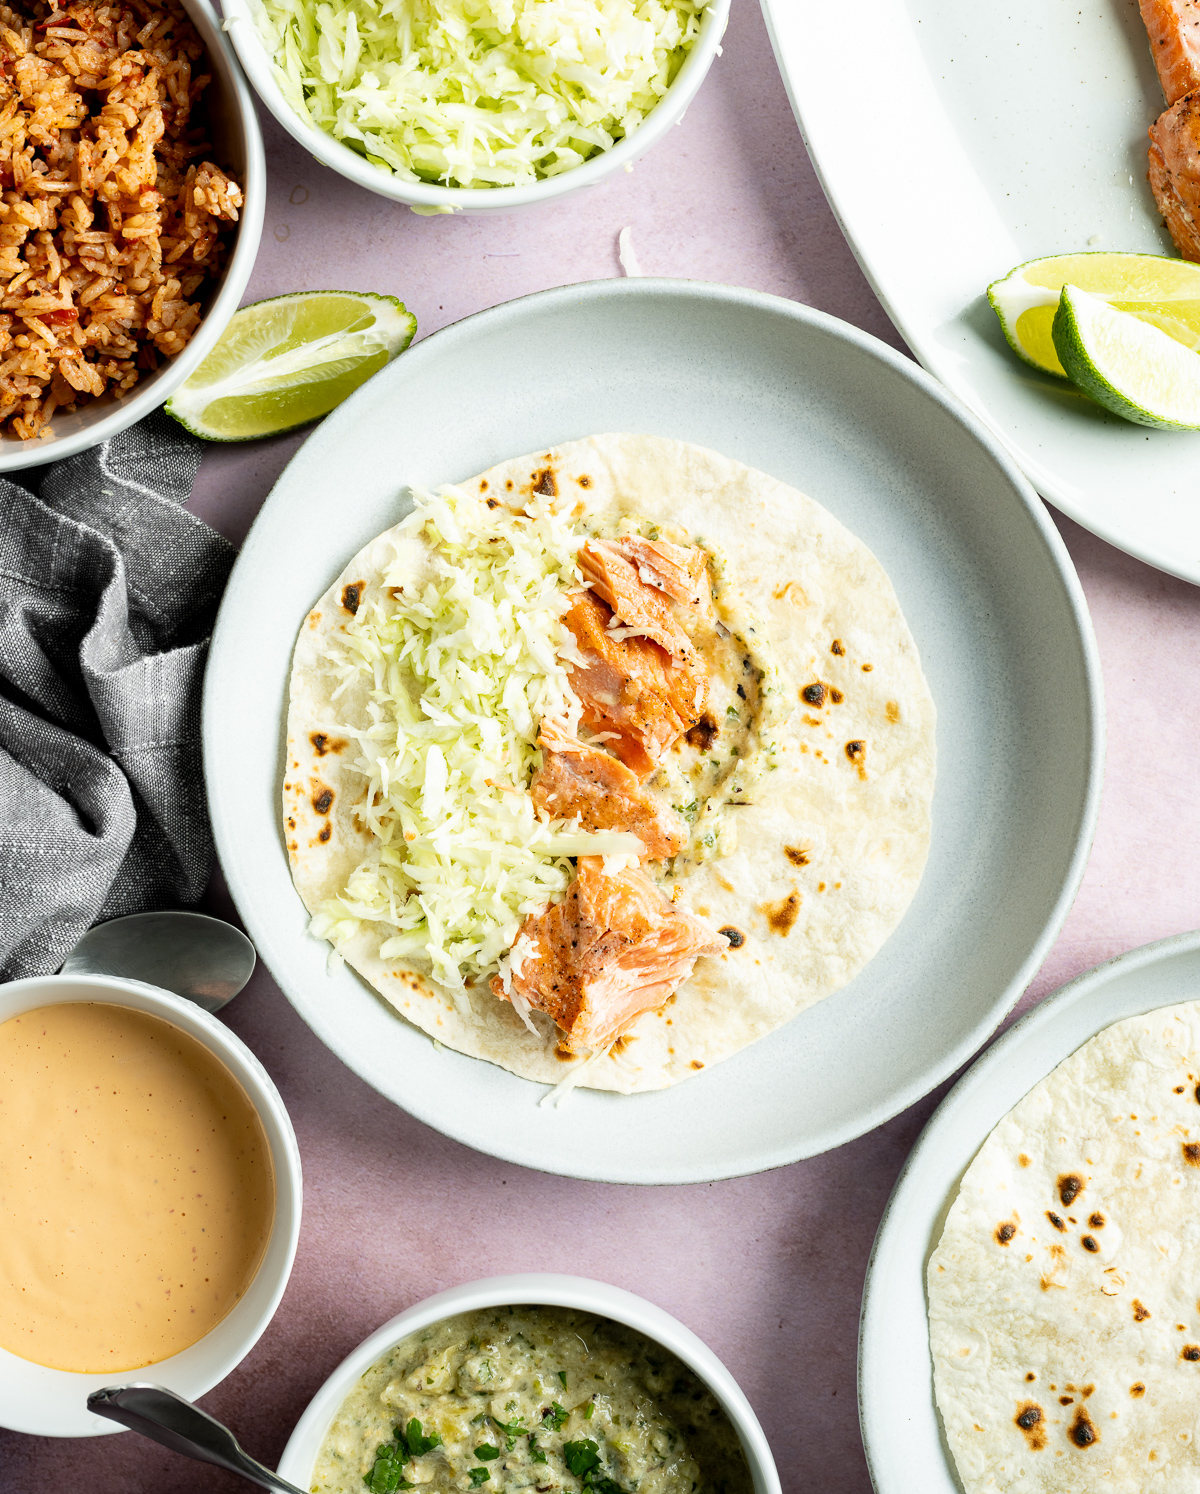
[542, 1289]
[15, 456]
[243, 29]
[65, 1414]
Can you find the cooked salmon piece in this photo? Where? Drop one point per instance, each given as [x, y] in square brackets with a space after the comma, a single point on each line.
[578, 779]
[615, 580]
[1173, 27]
[679, 570]
[613, 948]
[631, 689]
[1175, 172]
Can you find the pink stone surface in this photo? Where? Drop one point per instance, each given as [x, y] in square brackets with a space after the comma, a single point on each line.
[768, 1269]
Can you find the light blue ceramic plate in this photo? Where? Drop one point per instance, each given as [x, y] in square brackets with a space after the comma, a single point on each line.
[986, 585]
[900, 1423]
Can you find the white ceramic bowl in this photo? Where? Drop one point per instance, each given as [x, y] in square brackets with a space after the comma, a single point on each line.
[260, 66]
[53, 1403]
[237, 146]
[544, 1289]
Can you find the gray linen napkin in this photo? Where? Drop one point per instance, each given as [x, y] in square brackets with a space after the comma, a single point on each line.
[108, 591]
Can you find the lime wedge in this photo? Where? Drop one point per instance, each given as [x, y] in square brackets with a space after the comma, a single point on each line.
[1130, 367]
[1159, 290]
[284, 362]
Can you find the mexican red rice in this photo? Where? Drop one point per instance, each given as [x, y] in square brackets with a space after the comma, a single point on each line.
[111, 218]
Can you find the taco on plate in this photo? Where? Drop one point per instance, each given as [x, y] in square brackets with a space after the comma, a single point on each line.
[608, 761]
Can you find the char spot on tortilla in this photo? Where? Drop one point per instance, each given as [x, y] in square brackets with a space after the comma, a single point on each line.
[1082, 1432]
[1070, 1186]
[1066, 1400]
[322, 743]
[783, 914]
[1022, 1160]
[1140, 1312]
[1005, 1232]
[836, 695]
[493, 503]
[1191, 1352]
[623, 1042]
[893, 711]
[544, 483]
[1089, 1242]
[703, 734]
[735, 936]
[797, 855]
[696, 1064]
[483, 484]
[857, 753]
[867, 668]
[323, 800]
[584, 481]
[1179, 1089]
[1198, 1094]
[837, 647]
[1031, 1376]
[1096, 1221]
[1029, 1419]
[352, 595]
[324, 833]
[814, 694]
[1137, 1390]
[1191, 1153]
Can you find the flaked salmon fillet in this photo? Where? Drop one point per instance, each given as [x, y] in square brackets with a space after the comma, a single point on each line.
[679, 570]
[613, 948]
[630, 688]
[1175, 172]
[578, 779]
[615, 579]
[1173, 27]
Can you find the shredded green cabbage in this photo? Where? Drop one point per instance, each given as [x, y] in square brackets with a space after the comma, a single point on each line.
[462, 857]
[477, 93]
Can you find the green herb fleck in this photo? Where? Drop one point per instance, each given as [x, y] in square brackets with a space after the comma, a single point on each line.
[581, 1457]
[562, 1378]
[536, 1454]
[478, 1476]
[416, 1441]
[731, 710]
[483, 1416]
[387, 1474]
[511, 1429]
[587, 1415]
[555, 1416]
[485, 1452]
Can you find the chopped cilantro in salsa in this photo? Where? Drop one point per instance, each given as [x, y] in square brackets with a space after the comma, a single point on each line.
[556, 1416]
[485, 1452]
[387, 1474]
[479, 1476]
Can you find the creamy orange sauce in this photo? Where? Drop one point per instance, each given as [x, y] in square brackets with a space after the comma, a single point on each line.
[136, 1188]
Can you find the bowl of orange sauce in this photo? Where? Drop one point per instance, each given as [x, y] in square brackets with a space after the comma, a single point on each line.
[150, 1188]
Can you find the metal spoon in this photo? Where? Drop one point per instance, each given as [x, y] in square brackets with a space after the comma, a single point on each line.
[165, 1417]
[202, 958]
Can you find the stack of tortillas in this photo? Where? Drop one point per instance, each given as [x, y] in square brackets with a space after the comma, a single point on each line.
[1064, 1295]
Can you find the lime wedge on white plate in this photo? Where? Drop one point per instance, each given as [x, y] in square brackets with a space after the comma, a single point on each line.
[1161, 291]
[284, 362]
[1130, 367]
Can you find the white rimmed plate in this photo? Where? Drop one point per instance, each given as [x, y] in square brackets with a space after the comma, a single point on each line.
[984, 580]
[994, 135]
[901, 1428]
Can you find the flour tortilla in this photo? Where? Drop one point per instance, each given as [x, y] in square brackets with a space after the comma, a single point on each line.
[863, 835]
[1043, 1318]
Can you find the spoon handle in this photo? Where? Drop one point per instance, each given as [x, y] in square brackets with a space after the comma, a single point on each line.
[165, 1417]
